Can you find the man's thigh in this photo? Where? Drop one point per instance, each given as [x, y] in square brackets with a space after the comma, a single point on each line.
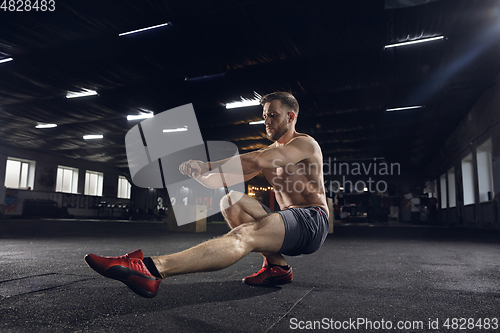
[244, 203]
[267, 234]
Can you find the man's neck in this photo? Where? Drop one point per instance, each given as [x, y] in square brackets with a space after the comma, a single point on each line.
[289, 135]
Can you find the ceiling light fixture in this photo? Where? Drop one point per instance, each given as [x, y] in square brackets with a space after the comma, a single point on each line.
[144, 29]
[205, 78]
[172, 130]
[423, 40]
[6, 60]
[244, 102]
[144, 114]
[140, 116]
[257, 122]
[406, 108]
[83, 93]
[46, 126]
[92, 136]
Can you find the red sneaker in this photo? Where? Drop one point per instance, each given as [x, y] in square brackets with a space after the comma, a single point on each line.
[270, 276]
[128, 269]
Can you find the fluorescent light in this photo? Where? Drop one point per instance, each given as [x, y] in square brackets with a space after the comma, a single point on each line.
[144, 29]
[257, 122]
[423, 40]
[406, 108]
[143, 115]
[93, 136]
[6, 60]
[205, 78]
[85, 92]
[46, 126]
[171, 130]
[244, 102]
[140, 116]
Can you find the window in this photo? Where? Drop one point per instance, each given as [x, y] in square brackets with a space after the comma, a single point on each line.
[67, 179]
[19, 173]
[442, 183]
[485, 171]
[468, 180]
[123, 188]
[452, 198]
[93, 183]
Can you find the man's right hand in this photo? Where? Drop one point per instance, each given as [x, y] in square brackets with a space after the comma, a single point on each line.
[193, 168]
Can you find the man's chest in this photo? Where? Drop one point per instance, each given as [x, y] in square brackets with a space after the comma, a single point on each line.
[279, 175]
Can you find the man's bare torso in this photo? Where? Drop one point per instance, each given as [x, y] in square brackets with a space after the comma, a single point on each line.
[300, 184]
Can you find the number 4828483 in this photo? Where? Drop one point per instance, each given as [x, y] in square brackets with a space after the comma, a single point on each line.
[28, 5]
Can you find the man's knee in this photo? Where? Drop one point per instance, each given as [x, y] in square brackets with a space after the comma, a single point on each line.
[243, 233]
[230, 201]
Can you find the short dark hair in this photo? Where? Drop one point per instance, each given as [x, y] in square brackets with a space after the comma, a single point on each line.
[287, 100]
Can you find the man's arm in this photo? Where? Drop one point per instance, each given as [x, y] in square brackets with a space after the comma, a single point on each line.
[272, 157]
[250, 164]
[195, 168]
[220, 177]
[215, 180]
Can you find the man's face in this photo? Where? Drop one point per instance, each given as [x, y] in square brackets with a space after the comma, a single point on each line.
[276, 120]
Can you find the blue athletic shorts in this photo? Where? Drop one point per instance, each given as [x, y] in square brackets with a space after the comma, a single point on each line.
[305, 229]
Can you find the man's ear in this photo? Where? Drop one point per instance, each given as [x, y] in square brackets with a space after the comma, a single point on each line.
[291, 116]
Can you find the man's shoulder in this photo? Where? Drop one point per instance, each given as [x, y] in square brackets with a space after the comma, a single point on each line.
[303, 138]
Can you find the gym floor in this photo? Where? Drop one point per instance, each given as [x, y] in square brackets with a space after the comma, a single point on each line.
[364, 278]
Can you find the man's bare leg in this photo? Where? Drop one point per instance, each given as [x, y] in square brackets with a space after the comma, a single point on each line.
[238, 208]
[265, 235]
[142, 275]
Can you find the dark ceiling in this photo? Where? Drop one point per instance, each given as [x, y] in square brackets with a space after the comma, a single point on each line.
[329, 54]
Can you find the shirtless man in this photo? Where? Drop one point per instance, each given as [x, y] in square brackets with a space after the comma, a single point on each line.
[293, 166]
